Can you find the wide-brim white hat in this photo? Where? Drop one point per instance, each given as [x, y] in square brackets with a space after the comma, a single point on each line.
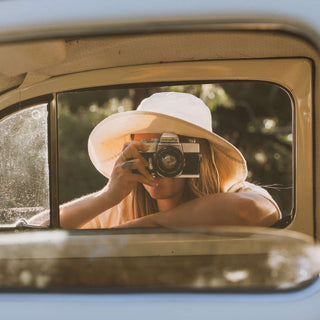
[174, 112]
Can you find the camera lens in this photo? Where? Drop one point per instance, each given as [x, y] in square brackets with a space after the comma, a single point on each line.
[169, 161]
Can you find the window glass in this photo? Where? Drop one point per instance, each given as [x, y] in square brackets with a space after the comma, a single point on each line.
[24, 172]
[256, 117]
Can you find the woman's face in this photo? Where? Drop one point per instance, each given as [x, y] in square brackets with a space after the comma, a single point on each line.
[167, 187]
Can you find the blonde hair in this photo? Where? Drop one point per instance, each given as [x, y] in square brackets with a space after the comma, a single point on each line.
[208, 183]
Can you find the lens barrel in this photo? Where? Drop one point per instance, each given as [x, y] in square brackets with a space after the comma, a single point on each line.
[169, 161]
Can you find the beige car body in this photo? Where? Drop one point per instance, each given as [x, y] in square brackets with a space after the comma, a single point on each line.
[123, 45]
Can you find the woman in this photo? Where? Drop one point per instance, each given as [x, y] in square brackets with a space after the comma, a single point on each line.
[134, 198]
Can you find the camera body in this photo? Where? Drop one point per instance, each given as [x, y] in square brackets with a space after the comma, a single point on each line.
[167, 157]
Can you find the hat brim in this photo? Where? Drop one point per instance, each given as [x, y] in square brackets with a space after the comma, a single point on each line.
[107, 138]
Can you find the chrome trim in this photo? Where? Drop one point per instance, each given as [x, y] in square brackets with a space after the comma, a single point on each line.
[53, 164]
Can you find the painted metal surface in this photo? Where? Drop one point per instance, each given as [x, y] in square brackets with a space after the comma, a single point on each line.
[295, 305]
[44, 17]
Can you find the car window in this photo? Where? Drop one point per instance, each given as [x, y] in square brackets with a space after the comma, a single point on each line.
[254, 116]
[24, 170]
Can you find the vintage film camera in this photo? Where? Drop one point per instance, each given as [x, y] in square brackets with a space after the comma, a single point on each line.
[167, 157]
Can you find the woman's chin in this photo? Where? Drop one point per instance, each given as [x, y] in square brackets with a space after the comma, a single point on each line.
[156, 192]
[166, 188]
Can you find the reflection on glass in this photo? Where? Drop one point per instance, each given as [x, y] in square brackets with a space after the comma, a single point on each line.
[221, 258]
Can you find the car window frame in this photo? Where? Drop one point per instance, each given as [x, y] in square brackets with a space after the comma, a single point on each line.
[209, 71]
[237, 70]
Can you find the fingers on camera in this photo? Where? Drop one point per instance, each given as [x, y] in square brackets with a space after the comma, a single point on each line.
[131, 151]
[136, 164]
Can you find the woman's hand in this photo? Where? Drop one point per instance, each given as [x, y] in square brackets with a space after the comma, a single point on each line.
[122, 179]
[78, 212]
